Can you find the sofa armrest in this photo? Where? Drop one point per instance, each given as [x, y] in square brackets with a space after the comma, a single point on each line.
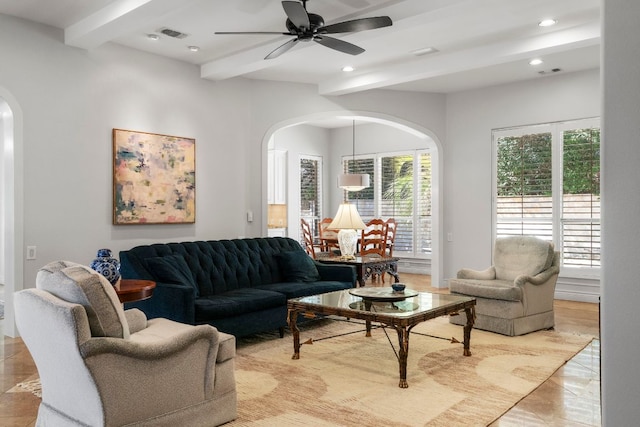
[467, 273]
[337, 272]
[170, 300]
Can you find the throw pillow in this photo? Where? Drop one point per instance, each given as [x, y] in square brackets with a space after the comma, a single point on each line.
[297, 266]
[79, 284]
[172, 269]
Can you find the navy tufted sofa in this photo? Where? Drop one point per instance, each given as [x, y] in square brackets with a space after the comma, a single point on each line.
[239, 285]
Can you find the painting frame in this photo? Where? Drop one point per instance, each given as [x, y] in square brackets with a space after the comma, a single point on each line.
[154, 178]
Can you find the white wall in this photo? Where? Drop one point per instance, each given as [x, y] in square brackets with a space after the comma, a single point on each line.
[4, 124]
[275, 105]
[70, 99]
[620, 212]
[302, 140]
[471, 116]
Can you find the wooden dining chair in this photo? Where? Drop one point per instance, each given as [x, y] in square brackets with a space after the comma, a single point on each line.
[328, 238]
[309, 246]
[391, 229]
[373, 240]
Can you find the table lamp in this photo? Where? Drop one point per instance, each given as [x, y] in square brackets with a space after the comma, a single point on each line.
[347, 221]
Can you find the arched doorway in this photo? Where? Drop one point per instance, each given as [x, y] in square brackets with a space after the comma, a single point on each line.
[11, 227]
[429, 138]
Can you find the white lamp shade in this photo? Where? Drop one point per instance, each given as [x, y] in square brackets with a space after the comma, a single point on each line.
[347, 218]
[353, 181]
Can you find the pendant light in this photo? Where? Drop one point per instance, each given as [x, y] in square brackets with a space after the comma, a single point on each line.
[353, 181]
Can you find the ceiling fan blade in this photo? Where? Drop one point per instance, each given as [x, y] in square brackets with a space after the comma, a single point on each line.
[339, 45]
[253, 32]
[282, 49]
[357, 25]
[296, 13]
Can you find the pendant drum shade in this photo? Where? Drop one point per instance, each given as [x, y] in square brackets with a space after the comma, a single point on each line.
[353, 181]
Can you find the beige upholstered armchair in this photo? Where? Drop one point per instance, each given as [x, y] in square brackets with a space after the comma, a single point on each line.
[103, 366]
[515, 295]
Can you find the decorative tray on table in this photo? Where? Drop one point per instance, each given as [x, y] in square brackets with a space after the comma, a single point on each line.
[386, 294]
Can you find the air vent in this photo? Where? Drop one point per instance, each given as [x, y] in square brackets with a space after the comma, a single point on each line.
[553, 70]
[172, 33]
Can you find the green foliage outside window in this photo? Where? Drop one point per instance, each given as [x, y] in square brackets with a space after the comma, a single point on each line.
[524, 165]
[581, 172]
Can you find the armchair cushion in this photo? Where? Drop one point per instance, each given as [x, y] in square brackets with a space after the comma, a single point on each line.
[79, 284]
[492, 289]
[523, 255]
[172, 269]
[297, 266]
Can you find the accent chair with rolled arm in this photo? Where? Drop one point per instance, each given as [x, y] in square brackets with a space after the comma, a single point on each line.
[100, 365]
[515, 295]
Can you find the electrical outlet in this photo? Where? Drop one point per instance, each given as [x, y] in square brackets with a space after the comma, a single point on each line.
[31, 252]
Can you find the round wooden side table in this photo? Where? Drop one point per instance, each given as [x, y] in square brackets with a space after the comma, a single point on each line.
[130, 290]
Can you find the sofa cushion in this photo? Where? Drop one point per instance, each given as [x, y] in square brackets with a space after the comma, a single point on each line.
[79, 284]
[297, 266]
[491, 289]
[172, 269]
[237, 302]
[297, 289]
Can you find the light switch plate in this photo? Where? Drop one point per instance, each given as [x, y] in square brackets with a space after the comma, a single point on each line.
[31, 252]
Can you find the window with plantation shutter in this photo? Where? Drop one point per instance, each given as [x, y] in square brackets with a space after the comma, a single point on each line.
[400, 189]
[524, 205]
[397, 197]
[548, 185]
[311, 191]
[581, 197]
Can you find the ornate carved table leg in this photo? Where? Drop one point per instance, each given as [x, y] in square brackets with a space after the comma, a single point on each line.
[292, 318]
[393, 271]
[403, 339]
[361, 280]
[471, 316]
[367, 306]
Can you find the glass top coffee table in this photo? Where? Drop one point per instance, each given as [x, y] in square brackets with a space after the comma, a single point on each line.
[401, 314]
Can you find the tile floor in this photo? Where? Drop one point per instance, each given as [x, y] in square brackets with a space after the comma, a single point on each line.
[571, 397]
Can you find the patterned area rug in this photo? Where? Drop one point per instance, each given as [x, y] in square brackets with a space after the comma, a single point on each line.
[351, 380]
[32, 386]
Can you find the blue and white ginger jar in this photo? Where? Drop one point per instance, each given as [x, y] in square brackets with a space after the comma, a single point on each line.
[106, 265]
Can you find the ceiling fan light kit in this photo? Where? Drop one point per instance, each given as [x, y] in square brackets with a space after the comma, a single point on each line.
[306, 27]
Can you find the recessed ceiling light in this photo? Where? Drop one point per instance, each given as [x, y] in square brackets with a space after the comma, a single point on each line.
[153, 36]
[547, 22]
[424, 51]
[347, 68]
[193, 48]
[536, 61]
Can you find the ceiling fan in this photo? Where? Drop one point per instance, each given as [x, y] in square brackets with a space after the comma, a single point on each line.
[305, 27]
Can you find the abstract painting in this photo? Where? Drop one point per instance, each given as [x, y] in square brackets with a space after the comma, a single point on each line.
[154, 178]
